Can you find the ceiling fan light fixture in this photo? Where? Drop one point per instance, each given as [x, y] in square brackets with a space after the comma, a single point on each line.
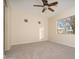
[46, 7]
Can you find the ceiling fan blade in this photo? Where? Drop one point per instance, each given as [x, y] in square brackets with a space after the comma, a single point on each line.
[51, 9]
[38, 5]
[43, 10]
[45, 2]
[53, 4]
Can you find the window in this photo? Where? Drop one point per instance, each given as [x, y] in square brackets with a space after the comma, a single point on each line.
[66, 25]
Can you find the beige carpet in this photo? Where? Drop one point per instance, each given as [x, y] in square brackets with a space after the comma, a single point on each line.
[41, 50]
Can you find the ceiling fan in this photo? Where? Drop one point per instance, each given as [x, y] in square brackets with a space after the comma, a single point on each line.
[46, 5]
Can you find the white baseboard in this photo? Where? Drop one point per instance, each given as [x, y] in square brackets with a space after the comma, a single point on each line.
[25, 42]
[63, 43]
[7, 49]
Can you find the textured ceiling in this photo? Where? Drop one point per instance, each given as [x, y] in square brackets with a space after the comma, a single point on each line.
[27, 5]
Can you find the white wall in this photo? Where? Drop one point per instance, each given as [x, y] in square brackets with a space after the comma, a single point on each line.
[66, 39]
[7, 25]
[27, 32]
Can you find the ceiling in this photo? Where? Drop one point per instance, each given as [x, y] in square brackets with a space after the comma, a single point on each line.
[27, 5]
